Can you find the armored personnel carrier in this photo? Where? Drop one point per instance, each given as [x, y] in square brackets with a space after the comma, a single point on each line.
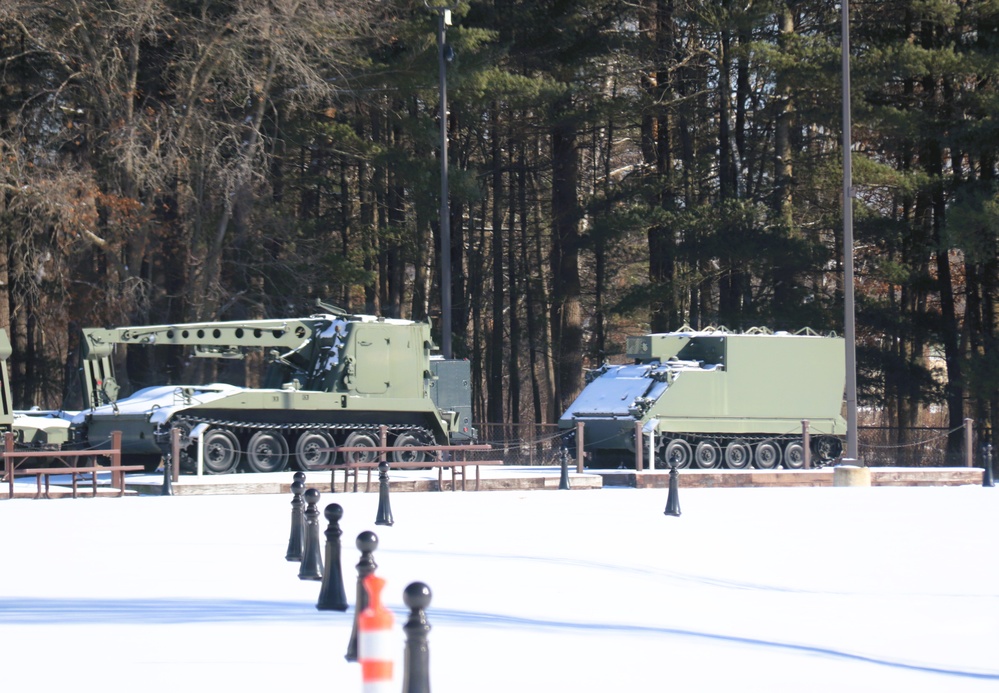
[332, 380]
[713, 399]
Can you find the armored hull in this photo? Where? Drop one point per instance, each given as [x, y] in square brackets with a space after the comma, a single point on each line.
[340, 381]
[715, 399]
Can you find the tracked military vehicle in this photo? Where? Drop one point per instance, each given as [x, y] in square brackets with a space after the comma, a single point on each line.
[715, 399]
[6, 399]
[333, 380]
[35, 430]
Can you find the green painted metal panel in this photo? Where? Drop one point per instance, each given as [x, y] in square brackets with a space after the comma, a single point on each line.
[757, 384]
[331, 372]
[6, 398]
[715, 384]
[373, 354]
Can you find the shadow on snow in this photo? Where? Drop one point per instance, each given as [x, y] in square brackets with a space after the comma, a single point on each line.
[178, 611]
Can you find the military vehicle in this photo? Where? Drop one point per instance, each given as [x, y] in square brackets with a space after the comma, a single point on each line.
[712, 398]
[332, 380]
[41, 430]
[6, 399]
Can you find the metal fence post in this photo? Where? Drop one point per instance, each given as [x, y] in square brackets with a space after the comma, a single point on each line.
[296, 538]
[366, 543]
[806, 443]
[117, 477]
[673, 499]
[416, 668]
[311, 567]
[8, 461]
[332, 595]
[969, 444]
[171, 462]
[563, 459]
[639, 452]
[579, 446]
[384, 514]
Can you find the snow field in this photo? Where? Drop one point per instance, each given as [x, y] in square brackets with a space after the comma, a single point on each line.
[818, 589]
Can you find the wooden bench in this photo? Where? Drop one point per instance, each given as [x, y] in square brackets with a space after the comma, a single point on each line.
[456, 467]
[76, 472]
[117, 477]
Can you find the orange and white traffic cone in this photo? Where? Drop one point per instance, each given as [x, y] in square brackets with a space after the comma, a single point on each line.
[375, 643]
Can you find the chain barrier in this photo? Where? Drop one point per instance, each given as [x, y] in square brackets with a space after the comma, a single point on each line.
[901, 446]
[548, 445]
[527, 446]
[534, 446]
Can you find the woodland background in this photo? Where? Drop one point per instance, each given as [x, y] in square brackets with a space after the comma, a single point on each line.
[615, 166]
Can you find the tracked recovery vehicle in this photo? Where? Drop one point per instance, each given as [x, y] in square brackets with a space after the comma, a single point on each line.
[6, 399]
[35, 429]
[715, 399]
[332, 380]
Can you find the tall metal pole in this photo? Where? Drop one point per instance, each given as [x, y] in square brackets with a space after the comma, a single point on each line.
[850, 335]
[443, 19]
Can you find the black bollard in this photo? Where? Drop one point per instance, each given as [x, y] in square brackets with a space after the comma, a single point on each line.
[416, 666]
[332, 596]
[312, 557]
[563, 480]
[296, 541]
[367, 542]
[673, 500]
[384, 516]
[987, 480]
[167, 489]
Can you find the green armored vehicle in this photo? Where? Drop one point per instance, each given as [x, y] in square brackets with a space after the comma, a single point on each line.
[714, 399]
[332, 380]
[6, 400]
[35, 429]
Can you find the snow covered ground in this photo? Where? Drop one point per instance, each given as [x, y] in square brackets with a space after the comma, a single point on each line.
[812, 589]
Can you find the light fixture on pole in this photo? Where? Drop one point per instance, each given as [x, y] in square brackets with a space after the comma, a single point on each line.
[444, 55]
[849, 327]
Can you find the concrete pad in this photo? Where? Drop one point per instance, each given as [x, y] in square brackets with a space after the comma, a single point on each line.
[525, 478]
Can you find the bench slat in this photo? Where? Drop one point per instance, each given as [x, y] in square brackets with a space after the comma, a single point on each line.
[76, 470]
[457, 468]
[75, 473]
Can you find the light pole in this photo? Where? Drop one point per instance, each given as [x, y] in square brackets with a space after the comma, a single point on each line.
[850, 332]
[444, 56]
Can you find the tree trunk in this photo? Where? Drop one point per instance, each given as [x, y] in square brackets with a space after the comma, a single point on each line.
[514, 279]
[657, 153]
[424, 238]
[566, 314]
[532, 273]
[783, 278]
[495, 347]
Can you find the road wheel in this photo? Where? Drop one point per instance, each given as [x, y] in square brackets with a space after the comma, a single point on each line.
[221, 449]
[361, 439]
[267, 451]
[767, 455]
[307, 450]
[707, 455]
[678, 454]
[410, 439]
[738, 454]
[794, 455]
